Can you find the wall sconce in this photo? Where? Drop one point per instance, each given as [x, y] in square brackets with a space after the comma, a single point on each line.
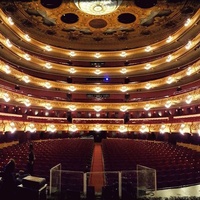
[147, 107]
[72, 88]
[8, 43]
[148, 48]
[12, 127]
[124, 89]
[51, 128]
[124, 108]
[48, 65]
[48, 48]
[97, 55]
[72, 70]
[123, 70]
[7, 69]
[72, 53]
[27, 38]
[97, 71]
[27, 102]
[97, 108]
[31, 128]
[72, 107]
[97, 127]
[123, 54]
[169, 39]
[189, 99]
[168, 104]
[73, 128]
[122, 129]
[10, 21]
[47, 85]
[26, 79]
[97, 89]
[48, 106]
[27, 57]
[6, 97]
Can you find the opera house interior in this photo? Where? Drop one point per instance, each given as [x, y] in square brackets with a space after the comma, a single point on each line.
[108, 94]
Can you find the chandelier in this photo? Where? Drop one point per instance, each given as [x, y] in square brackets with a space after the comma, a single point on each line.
[97, 7]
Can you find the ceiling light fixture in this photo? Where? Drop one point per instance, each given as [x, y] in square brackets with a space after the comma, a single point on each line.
[98, 7]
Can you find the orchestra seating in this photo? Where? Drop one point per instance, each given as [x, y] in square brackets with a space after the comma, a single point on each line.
[73, 154]
[175, 165]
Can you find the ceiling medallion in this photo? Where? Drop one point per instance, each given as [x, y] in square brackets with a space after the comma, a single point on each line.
[98, 7]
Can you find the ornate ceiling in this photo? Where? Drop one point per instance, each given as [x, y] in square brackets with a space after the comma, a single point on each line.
[110, 63]
[129, 26]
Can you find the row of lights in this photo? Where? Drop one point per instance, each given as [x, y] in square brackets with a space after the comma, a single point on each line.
[97, 54]
[31, 128]
[149, 85]
[97, 108]
[122, 128]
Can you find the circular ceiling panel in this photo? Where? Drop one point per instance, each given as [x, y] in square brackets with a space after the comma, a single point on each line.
[98, 23]
[126, 18]
[51, 3]
[98, 7]
[145, 3]
[69, 18]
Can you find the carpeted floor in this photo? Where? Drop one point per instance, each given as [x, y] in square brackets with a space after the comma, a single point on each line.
[97, 175]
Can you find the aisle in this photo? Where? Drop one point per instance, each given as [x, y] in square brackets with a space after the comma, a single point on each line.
[97, 176]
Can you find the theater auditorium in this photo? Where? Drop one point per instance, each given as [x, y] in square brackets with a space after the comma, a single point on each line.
[99, 99]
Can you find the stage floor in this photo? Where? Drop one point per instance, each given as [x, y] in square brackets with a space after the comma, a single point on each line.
[179, 192]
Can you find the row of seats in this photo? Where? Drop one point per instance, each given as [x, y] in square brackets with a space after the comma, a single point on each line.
[73, 154]
[171, 162]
